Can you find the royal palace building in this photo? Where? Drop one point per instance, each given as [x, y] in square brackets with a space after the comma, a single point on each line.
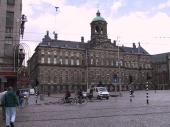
[58, 65]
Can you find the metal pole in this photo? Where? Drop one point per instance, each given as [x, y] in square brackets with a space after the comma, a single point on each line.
[119, 68]
[147, 94]
[130, 92]
[87, 85]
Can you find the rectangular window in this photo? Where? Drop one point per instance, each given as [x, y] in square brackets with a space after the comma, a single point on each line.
[72, 62]
[8, 50]
[78, 62]
[91, 61]
[66, 61]
[61, 61]
[9, 29]
[55, 53]
[97, 61]
[9, 19]
[55, 61]
[42, 51]
[49, 60]
[8, 40]
[42, 60]
[10, 2]
[112, 62]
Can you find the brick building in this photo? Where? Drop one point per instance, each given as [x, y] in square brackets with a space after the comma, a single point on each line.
[59, 64]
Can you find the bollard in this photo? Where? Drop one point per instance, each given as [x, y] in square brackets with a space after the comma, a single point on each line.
[130, 94]
[147, 94]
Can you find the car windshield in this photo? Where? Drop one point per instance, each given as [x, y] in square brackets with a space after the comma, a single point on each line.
[103, 89]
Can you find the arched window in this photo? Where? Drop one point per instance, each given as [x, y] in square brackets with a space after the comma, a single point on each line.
[97, 29]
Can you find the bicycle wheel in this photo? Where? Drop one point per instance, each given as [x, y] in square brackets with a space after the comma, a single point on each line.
[72, 101]
[61, 101]
[84, 101]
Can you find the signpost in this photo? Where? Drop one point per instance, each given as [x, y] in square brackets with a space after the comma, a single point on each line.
[116, 81]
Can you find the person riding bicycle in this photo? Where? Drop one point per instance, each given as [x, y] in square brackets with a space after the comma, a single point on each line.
[67, 95]
[80, 95]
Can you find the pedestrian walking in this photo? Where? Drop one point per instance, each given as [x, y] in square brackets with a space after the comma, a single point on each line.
[20, 97]
[10, 102]
[3, 108]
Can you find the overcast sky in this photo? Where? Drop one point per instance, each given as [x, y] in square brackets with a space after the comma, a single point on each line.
[144, 21]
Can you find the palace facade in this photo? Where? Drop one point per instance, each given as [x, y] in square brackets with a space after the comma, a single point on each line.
[59, 65]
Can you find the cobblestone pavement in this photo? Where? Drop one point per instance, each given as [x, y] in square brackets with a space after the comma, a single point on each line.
[115, 112]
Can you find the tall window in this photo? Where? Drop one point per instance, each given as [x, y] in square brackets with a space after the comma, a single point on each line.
[8, 49]
[91, 61]
[55, 61]
[42, 51]
[77, 62]
[66, 61]
[72, 62]
[9, 18]
[61, 61]
[55, 53]
[42, 59]
[8, 40]
[9, 21]
[49, 60]
[10, 2]
[97, 61]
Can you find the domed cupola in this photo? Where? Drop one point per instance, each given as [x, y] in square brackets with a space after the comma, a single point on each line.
[98, 27]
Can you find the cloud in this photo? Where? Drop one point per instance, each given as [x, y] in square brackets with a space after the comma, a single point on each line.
[72, 22]
[116, 6]
[138, 26]
[164, 5]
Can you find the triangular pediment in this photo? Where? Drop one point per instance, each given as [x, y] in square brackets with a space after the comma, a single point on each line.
[106, 46]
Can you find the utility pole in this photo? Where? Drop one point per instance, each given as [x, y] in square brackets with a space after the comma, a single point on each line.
[119, 77]
[87, 80]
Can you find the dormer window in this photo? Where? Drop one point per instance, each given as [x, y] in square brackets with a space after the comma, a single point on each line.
[55, 53]
[42, 51]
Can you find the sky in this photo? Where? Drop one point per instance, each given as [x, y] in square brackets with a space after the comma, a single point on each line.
[129, 21]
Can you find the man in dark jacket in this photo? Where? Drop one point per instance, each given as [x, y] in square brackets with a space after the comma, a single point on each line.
[10, 102]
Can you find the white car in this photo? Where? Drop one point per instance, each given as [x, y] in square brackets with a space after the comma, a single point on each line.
[32, 91]
[99, 92]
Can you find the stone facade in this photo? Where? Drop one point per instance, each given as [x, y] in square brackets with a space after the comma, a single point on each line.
[60, 65]
[161, 71]
[10, 13]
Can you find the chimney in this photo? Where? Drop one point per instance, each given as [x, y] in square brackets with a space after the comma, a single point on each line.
[82, 39]
[134, 46]
[55, 35]
[114, 42]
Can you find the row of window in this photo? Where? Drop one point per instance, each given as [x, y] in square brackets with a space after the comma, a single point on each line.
[63, 77]
[67, 53]
[60, 53]
[102, 62]
[61, 61]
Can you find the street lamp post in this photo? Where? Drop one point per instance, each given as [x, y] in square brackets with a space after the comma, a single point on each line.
[87, 73]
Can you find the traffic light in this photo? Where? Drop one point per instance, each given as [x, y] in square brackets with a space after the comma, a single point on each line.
[148, 77]
[130, 79]
[36, 83]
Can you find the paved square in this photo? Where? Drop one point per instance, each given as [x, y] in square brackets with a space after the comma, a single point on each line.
[115, 112]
